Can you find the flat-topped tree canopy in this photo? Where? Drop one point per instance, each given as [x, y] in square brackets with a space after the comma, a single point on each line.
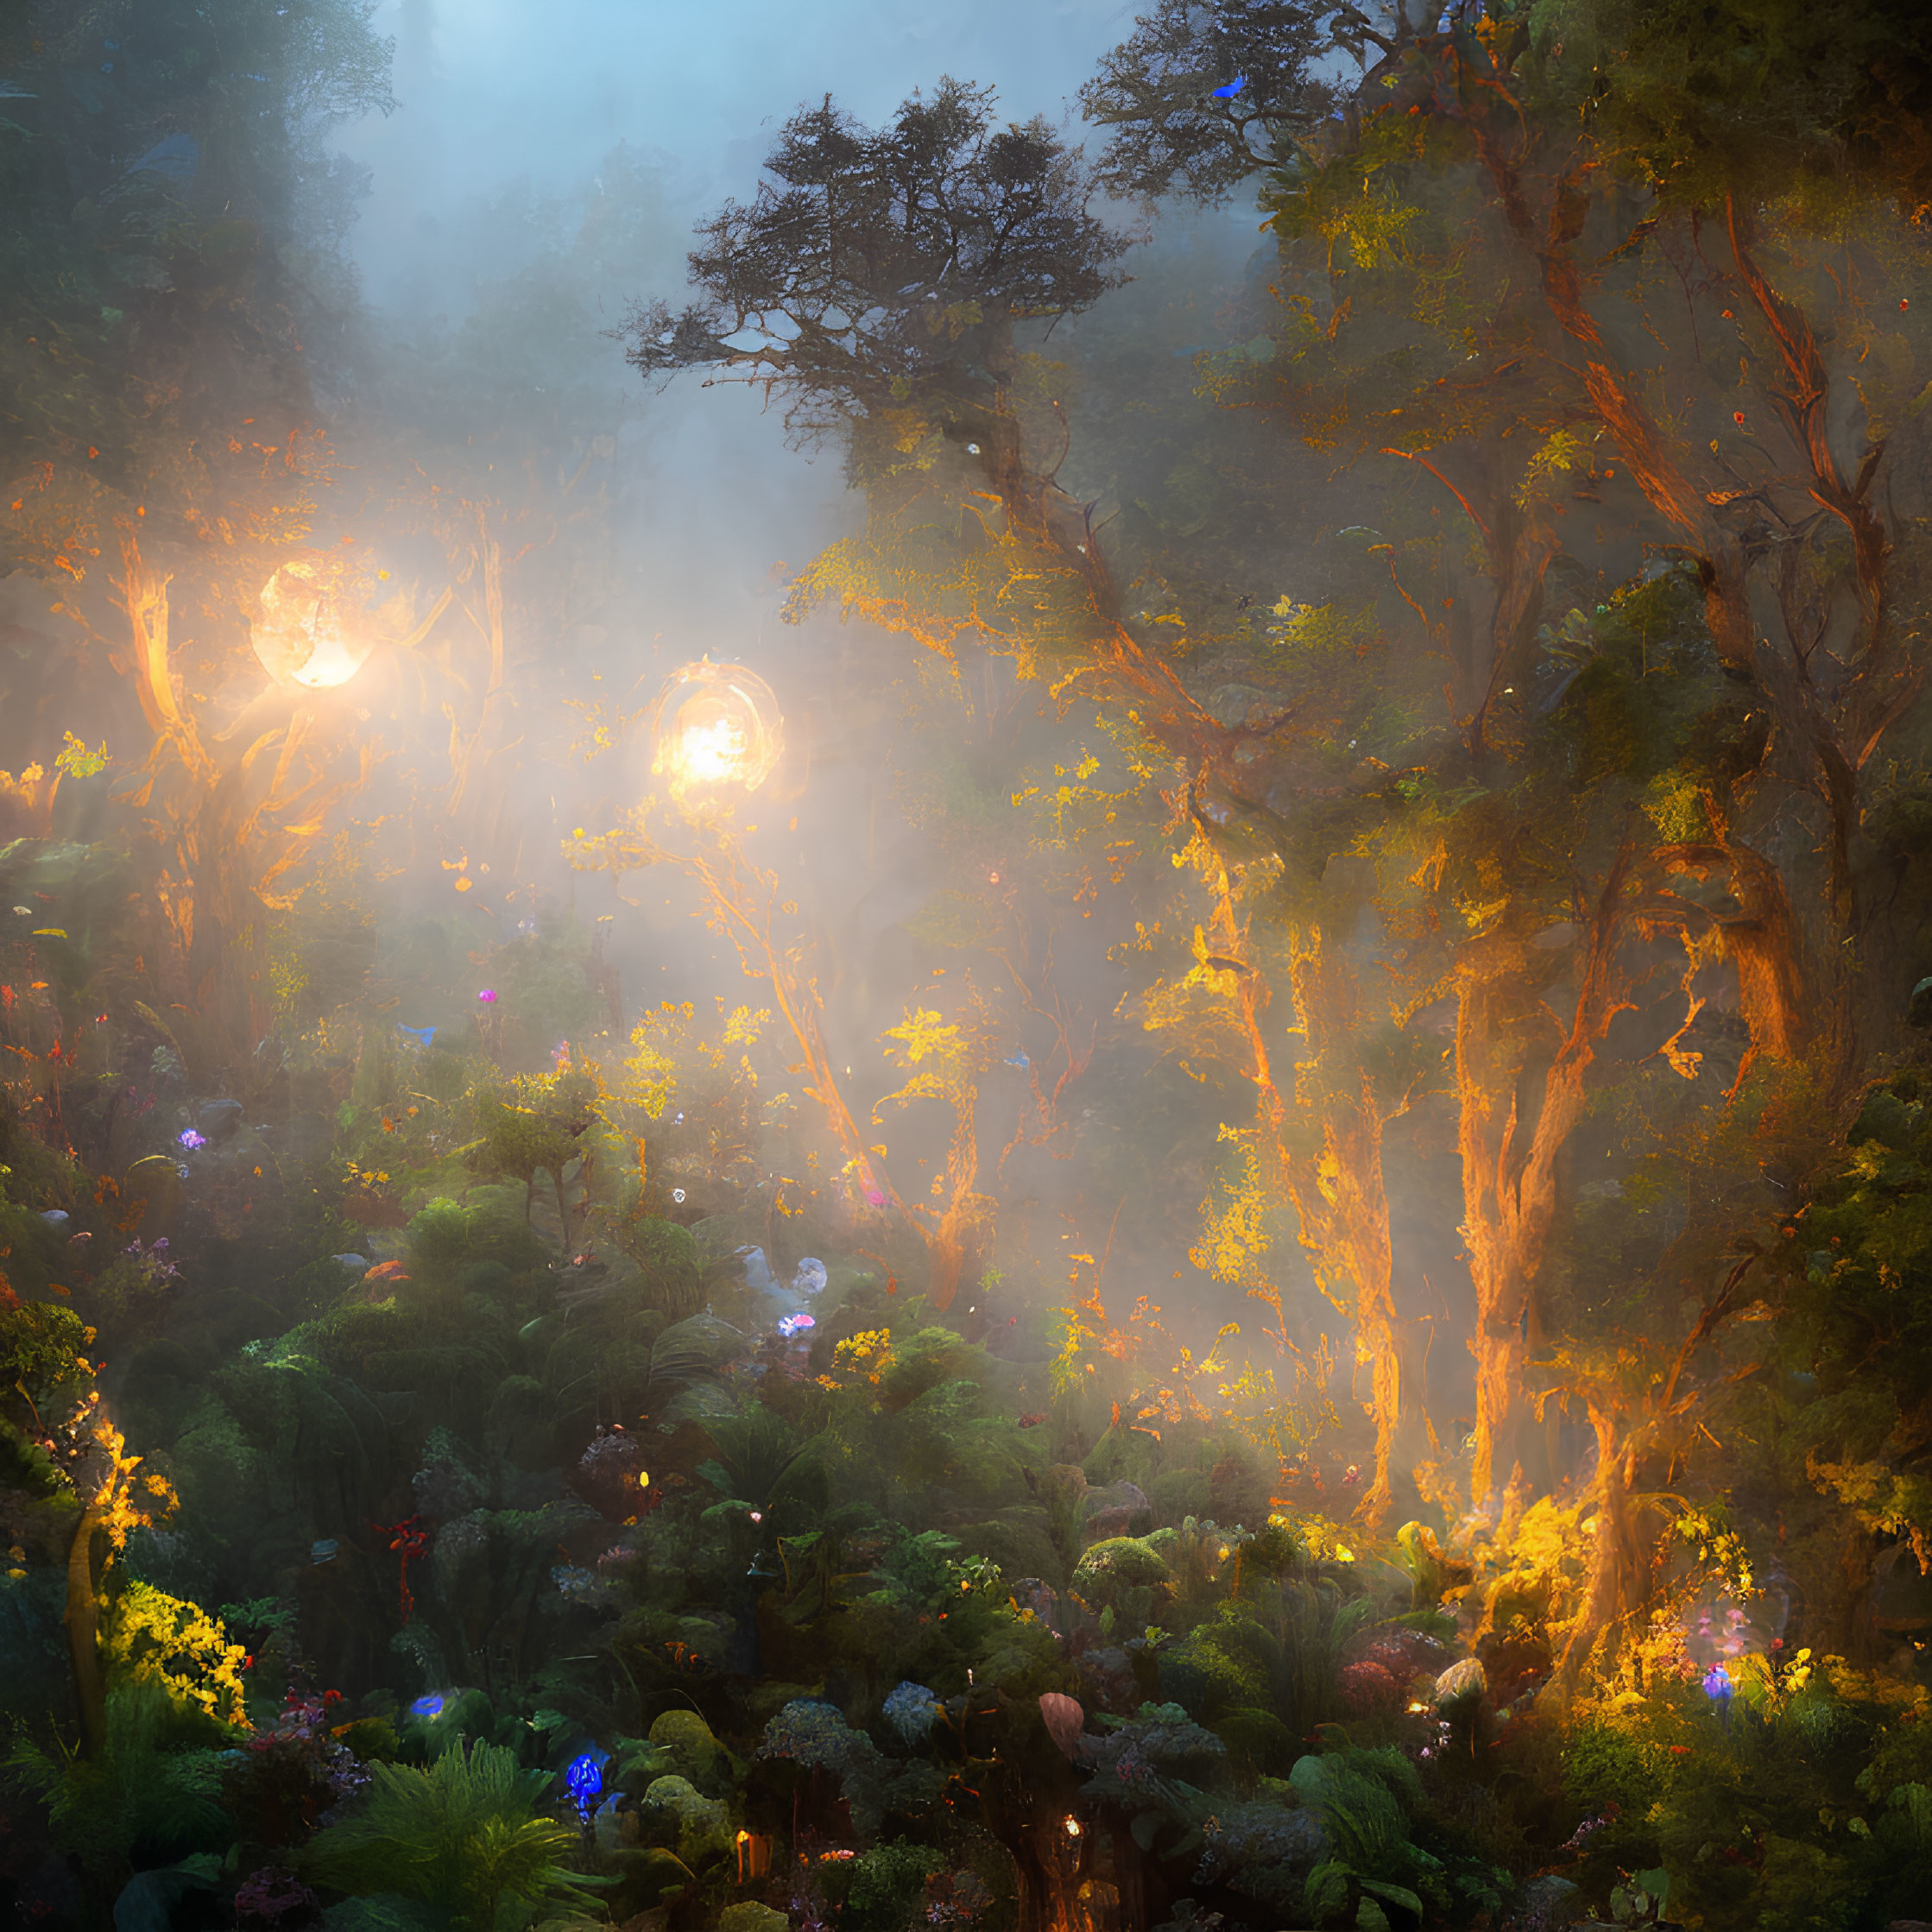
[876, 274]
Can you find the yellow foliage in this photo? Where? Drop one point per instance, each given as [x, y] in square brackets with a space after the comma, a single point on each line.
[123, 1502]
[668, 1050]
[165, 1640]
[863, 1357]
[923, 1035]
[1560, 451]
[1235, 1229]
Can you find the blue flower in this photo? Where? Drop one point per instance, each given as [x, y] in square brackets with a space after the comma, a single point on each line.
[1717, 1685]
[911, 1710]
[431, 1705]
[584, 1778]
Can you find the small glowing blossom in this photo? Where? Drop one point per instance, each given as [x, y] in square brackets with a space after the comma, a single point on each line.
[677, 1195]
[791, 1325]
[488, 996]
[431, 1705]
[190, 1140]
[1073, 1828]
[1717, 1684]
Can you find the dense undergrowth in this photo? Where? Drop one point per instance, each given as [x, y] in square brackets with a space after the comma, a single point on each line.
[504, 1549]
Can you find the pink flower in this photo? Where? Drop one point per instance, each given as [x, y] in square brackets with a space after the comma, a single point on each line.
[488, 996]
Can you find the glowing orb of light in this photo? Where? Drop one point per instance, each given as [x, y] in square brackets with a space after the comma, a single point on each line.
[716, 724]
[311, 635]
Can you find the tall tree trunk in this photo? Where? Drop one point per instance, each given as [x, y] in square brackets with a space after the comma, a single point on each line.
[1509, 1166]
[82, 1619]
[1339, 1190]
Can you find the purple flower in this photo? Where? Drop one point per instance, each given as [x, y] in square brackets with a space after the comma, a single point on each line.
[790, 1325]
[190, 1140]
[267, 1896]
[1717, 1685]
[488, 996]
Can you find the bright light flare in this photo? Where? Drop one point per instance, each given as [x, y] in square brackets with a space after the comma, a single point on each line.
[716, 724]
[310, 635]
[712, 752]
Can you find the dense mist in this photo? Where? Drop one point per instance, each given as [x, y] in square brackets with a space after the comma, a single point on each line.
[965, 966]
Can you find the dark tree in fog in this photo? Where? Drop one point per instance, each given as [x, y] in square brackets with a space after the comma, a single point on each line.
[1200, 97]
[876, 276]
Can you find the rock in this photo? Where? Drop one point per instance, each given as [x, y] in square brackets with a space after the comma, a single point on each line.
[1121, 1509]
[675, 1812]
[748, 1916]
[1233, 704]
[1177, 1494]
[1064, 1720]
[1549, 1902]
[1117, 1564]
[1461, 1688]
[691, 1751]
[1107, 1680]
[218, 1117]
[1919, 1014]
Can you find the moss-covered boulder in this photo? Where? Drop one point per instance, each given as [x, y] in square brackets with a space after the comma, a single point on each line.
[693, 1753]
[748, 1916]
[1177, 1494]
[1116, 1565]
[675, 1814]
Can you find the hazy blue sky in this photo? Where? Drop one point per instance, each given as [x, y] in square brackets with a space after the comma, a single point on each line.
[495, 91]
[498, 92]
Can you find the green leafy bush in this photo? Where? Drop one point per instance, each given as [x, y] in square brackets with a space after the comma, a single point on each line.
[463, 1832]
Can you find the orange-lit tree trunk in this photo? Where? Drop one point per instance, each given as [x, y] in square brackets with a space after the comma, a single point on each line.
[229, 837]
[1512, 1129]
[1833, 708]
[1338, 1188]
[1518, 551]
[1333, 1177]
[1763, 942]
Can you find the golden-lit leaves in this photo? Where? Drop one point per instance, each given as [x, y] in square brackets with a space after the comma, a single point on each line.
[76, 761]
[1239, 1218]
[1560, 452]
[923, 1035]
[163, 1640]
